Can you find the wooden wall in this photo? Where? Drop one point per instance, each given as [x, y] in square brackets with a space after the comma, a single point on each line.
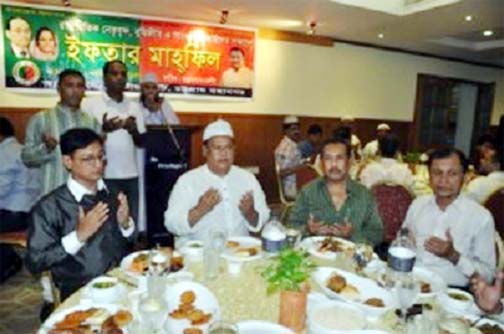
[256, 137]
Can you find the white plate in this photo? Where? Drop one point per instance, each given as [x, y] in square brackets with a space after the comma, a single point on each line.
[59, 316]
[245, 242]
[320, 314]
[436, 282]
[312, 245]
[128, 260]
[367, 289]
[205, 301]
[262, 327]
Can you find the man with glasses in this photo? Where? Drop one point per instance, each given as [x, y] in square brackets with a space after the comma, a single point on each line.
[216, 195]
[41, 144]
[454, 235]
[80, 229]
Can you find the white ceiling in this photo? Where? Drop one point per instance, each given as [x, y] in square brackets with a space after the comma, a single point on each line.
[441, 31]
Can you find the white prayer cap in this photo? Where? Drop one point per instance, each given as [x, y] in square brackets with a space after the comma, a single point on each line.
[149, 77]
[291, 120]
[383, 126]
[347, 118]
[218, 128]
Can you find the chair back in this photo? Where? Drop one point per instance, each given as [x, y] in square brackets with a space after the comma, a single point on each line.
[305, 176]
[393, 202]
[495, 204]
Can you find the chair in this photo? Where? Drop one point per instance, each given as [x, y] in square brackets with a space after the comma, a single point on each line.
[393, 202]
[495, 204]
[305, 176]
[286, 203]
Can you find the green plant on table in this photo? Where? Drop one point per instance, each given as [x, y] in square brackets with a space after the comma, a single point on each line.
[288, 271]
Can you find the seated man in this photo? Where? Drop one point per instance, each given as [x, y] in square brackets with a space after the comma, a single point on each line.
[387, 169]
[217, 195]
[335, 205]
[454, 235]
[482, 187]
[19, 186]
[310, 147]
[79, 230]
[371, 150]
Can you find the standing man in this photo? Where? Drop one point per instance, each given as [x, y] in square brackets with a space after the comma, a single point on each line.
[335, 205]
[371, 150]
[80, 229]
[45, 128]
[19, 185]
[454, 234]
[217, 195]
[288, 158]
[123, 124]
[156, 110]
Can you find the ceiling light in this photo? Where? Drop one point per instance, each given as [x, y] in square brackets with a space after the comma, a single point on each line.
[380, 35]
[312, 28]
[487, 33]
[224, 16]
[468, 18]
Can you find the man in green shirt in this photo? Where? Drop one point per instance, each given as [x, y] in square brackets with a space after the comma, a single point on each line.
[335, 205]
[41, 147]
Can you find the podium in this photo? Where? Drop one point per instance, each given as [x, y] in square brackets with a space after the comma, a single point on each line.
[164, 162]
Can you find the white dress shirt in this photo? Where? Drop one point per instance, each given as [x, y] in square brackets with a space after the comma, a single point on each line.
[165, 115]
[71, 242]
[226, 215]
[386, 170]
[472, 229]
[482, 187]
[371, 149]
[119, 146]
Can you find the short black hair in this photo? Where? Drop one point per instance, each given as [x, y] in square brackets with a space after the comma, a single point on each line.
[40, 31]
[8, 24]
[78, 138]
[446, 152]
[343, 132]
[314, 129]
[70, 72]
[6, 127]
[236, 48]
[389, 145]
[106, 67]
[486, 139]
[335, 141]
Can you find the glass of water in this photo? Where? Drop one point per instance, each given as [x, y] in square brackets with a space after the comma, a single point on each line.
[407, 291]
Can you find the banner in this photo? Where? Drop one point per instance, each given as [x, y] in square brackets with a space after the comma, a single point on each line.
[187, 59]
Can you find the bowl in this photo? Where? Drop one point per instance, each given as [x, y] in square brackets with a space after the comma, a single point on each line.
[334, 317]
[105, 290]
[455, 300]
[193, 250]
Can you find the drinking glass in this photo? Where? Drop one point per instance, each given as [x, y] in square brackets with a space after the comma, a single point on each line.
[407, 291]
[213, 249]
[153, 313]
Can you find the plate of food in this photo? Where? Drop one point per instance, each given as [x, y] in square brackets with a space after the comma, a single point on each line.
[191, 308]
[485, 326]
[88, 318]
[137, 263]
[327, 247]
[262, 327]
[242, 249]
[430, 283]
[356, 290]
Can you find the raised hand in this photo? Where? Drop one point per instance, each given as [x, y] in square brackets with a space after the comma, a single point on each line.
[91, 221]
[123, 210]
[111, 124]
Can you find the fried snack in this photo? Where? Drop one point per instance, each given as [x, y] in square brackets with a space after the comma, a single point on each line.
[425, 287]
[336, 283]
[188, 297]
[246, 251]
[332, 245]
[490, 329]
[176, 263]
[140, 263]
[122, 318]
[109, 326]
[178, 314]
[350, 291]
[375, 302]
[75, 320]
[203, 320]
[232, 244]
[192, 330]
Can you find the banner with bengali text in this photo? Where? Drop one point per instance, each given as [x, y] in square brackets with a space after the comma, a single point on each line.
[187, 59]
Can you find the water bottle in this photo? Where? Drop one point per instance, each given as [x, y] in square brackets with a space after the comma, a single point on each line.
[213, 248]
[273, 236]
[401, 257]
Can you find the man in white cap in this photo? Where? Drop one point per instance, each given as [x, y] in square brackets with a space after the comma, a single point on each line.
[156, 109]
[355, 142]
[216, 195]
[288, 158]
[371, 149]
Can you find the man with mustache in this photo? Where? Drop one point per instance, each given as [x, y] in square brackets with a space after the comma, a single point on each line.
[216, 195]
[454, 235]
[335, 205]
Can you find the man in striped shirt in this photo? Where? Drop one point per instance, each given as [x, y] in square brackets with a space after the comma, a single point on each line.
[41, 147]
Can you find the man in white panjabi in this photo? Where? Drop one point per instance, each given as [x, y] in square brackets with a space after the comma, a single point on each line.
[217, 195]
[454, 235]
